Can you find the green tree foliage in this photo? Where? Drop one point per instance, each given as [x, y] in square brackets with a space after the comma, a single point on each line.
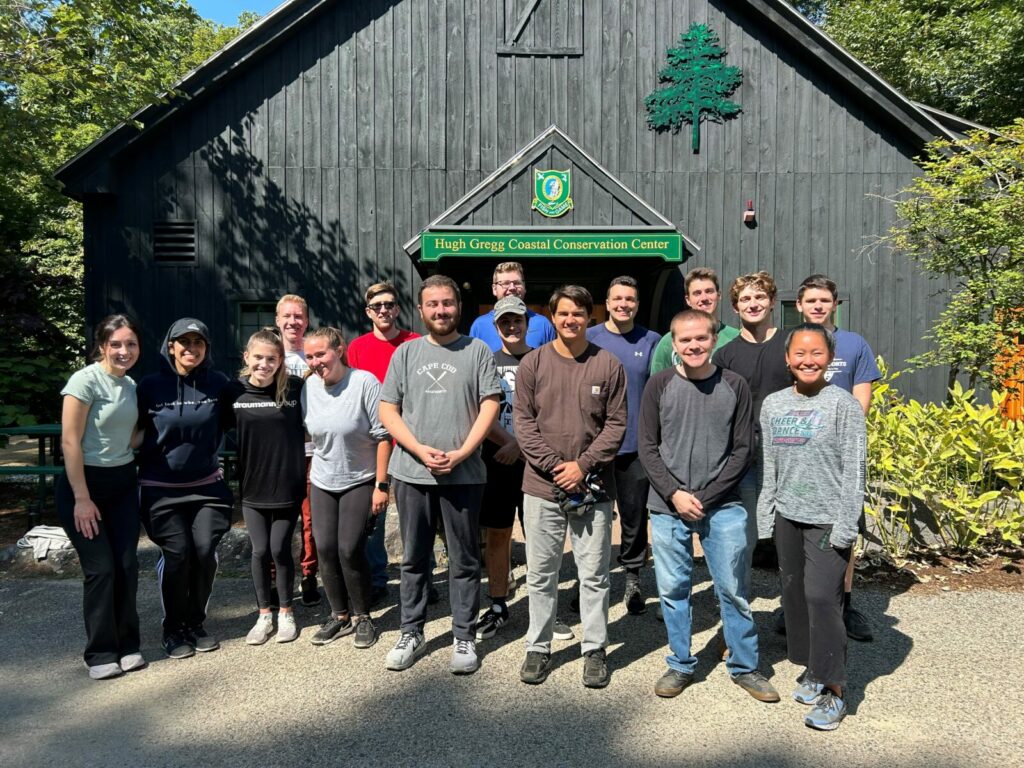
[962, 56]
[69, 71]
[962, 220]
[698, 83]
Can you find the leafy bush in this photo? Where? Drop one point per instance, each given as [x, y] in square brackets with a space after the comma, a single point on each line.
[959, 462]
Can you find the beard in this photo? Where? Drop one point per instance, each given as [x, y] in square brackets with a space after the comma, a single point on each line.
[443, 326]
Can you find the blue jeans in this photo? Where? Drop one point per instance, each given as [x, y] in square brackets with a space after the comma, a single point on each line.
[723, 535]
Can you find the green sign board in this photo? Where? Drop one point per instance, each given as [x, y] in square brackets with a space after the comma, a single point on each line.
[552, 245]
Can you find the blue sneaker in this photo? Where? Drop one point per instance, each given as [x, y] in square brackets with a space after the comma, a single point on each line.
[829, 711]
[807, 691]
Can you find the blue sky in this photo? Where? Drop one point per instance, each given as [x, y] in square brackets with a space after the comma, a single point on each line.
[226, 11]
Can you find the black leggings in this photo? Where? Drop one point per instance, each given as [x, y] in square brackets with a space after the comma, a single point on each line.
[109, 563]
[339, 528]
[813, 572]
[271, 531]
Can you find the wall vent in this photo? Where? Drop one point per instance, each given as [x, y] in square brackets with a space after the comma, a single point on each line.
[174, 242]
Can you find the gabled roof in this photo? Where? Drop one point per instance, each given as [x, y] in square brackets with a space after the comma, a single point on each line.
[291, 14]
[551, 138]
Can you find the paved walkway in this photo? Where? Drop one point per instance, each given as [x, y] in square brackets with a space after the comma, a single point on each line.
[937, 688]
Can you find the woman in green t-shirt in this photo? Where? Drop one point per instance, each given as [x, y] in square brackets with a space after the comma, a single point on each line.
[98, 498]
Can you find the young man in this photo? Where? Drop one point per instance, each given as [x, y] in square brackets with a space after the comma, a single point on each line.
[372, 352]
[854, 369]
[758, 354]
[570, 419]
[703, 293]
[633, 345]
[439, 401]
[509, 281]
[503, 495]
[696, 436]
[292, 320]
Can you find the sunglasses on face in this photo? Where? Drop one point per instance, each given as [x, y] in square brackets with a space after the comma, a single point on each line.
[380, 306]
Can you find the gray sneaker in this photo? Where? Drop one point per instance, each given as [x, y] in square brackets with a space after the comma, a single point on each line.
[807, 691]
[131, 662]
[409, 647]
[757, 685]
[286, 628]
[829, 711]
[464, 658]
[562, 631]
[261, 630]
[595, 669]
[105, 671]
[672, 683]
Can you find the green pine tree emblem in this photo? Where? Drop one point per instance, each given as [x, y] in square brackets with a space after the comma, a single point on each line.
[698, 84]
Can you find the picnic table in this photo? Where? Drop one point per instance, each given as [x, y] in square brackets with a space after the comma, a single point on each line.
[49, 463]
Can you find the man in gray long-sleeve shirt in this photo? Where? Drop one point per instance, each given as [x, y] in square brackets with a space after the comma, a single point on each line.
[695, 441]
[570, 419]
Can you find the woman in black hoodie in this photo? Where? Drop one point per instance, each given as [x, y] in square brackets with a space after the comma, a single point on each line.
[185, 503]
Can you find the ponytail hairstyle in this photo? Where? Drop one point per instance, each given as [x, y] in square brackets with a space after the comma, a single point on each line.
[334, 340]
[106, 327]
[271, 337]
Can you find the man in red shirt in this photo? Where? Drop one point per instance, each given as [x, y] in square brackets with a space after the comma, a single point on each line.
[372, 352]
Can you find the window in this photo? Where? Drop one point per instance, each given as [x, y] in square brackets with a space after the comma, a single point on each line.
[253, 315]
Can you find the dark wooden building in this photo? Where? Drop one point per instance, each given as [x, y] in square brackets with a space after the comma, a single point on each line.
[336, 143]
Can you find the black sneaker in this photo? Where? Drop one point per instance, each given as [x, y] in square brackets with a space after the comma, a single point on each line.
[536, 668]
[365, 633]
[310, 591]
[491, 622]
[779, 621]
[672, 683]
[633, 597]
[378, 595]
[176, 647]
[332, 629]
[201, 640]
[433, 596]
[574, 601]
[595, 669]
[857, 626]
[757, 685]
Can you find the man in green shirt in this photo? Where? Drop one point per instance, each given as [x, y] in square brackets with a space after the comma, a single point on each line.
[703, 293]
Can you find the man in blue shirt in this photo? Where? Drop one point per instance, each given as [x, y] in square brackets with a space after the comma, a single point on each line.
[634, 346]
[509, 281]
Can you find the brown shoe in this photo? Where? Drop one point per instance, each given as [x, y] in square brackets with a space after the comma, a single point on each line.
[672, 683]
[757, 685]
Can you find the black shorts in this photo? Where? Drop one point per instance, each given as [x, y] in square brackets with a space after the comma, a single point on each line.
[503, 494]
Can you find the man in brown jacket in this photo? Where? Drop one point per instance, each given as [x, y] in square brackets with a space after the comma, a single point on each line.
[570, 419]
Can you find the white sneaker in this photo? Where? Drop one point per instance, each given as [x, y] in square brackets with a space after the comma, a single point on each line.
[286, 629]
[132, 662]
[261, 630]
[464, 659]
[105, 671]
[408, 648]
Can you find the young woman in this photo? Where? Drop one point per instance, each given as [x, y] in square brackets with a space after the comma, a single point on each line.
[97, 496]
[349, 477]
[185, 503]
[814, 446]
[267, 416]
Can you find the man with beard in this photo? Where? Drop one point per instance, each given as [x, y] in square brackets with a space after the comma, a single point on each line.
[439, 401]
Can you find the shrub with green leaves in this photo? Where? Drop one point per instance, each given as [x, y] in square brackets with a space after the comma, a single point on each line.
[960, 462]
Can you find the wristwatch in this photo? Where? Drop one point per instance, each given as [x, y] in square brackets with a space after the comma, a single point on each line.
[385, 486]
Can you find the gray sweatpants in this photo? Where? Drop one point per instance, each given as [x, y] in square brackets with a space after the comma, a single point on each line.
[591, 545]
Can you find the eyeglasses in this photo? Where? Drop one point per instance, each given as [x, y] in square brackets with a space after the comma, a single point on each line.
[380, 306]
[509, 283]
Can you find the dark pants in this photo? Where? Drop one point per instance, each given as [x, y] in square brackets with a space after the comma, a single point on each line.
[631, 486]
[270, 531]
[812, 599]
[108, 560]
[340, 528]
[187, 530]
[458, 506]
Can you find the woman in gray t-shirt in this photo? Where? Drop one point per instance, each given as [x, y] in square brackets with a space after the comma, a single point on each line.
[348, 480]
[813, 442]
[97, 496]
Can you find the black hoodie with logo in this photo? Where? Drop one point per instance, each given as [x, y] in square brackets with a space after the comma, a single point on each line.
[182, 418]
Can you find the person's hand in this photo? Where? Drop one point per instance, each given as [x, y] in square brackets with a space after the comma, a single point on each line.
[87, 518]
[434, 460]
[568, 475]
[456, 457]
[508, 453]
[687, 506]
[379, 502]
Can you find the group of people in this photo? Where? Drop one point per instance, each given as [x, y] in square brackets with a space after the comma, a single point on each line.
[560, 421]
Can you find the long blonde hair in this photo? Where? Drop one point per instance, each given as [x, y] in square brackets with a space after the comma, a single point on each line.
[271, 338]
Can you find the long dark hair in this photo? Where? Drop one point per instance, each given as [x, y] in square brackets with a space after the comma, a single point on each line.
[106, 327]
